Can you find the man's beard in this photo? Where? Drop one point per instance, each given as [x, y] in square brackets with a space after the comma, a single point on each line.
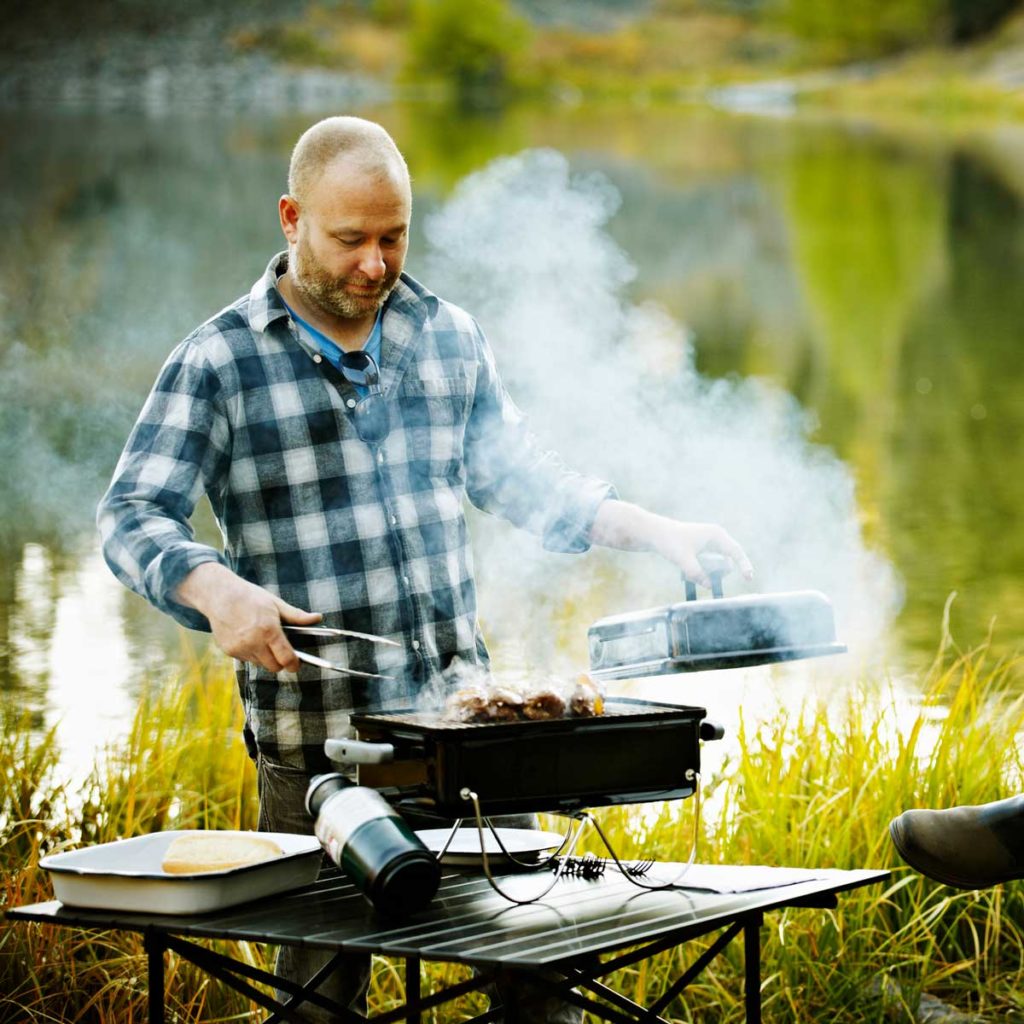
[323, 290]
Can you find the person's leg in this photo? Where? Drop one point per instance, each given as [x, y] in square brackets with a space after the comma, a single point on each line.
[542, 1010]
[966, 847]
[282, 792]
[546, 1010]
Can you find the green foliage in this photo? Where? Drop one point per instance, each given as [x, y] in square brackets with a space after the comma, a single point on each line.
[972, 18]
[864, 28]
[390, 12]
[296, 44]
[470, 45]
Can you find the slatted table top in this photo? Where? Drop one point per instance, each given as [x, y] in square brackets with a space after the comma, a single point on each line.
[470, 923]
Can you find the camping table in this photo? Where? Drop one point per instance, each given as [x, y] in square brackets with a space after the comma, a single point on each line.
[565, 943]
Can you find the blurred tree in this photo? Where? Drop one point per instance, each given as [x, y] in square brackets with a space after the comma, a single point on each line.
[472, 45]
[32, 21]
[971, 18]
[390, 12]
[726, 6]
[865, 28]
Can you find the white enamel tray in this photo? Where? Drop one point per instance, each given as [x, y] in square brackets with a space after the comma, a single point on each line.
[126, 875]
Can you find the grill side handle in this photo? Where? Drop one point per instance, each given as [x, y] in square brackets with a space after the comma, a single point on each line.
[709, 730]
[359, 752]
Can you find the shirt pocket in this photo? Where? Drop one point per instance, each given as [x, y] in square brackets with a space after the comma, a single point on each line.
[432, 412]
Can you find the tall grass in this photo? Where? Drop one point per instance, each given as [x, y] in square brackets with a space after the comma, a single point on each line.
[181, 766]
[813, 786]
[816, 787]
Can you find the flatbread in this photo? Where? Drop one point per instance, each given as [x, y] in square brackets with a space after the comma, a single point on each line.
[198, 852]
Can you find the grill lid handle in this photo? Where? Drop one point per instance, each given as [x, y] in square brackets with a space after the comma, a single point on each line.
[358, 752]
[716, 566]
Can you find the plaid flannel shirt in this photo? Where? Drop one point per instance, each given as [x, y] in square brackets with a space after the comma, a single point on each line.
[374, 537]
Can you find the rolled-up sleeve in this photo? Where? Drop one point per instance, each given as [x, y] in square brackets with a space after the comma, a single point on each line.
[177, 450]
[508, 473]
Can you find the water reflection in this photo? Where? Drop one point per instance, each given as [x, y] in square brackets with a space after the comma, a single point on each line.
[870, 273]
[953, 499]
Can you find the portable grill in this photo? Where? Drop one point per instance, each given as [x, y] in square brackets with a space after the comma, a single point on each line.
[636, 751]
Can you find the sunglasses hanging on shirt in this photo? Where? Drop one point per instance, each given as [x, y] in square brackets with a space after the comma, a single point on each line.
[370, 416]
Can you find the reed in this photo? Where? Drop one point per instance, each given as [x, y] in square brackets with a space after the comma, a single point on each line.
[814, 786]
[181, 766]
[817, 787]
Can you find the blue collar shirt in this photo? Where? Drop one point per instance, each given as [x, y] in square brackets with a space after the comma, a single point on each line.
[330, 351]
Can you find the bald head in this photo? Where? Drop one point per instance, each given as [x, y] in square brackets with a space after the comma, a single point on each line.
[346, 219]
[363, 143]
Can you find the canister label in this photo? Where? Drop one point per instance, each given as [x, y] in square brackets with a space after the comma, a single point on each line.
[346, 811]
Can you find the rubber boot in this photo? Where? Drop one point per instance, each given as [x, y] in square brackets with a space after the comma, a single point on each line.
[966, 847]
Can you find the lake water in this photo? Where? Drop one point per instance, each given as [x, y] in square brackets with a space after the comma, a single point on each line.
[805, 329]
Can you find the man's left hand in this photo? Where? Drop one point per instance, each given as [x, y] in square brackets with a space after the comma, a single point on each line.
[618, 524]
[684, 543]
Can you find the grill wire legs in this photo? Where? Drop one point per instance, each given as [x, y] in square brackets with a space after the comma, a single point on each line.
[562, 861]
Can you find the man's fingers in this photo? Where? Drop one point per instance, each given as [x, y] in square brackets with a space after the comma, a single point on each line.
[739, 557]
[693, 571]
[296, 616]
[262, 656]
[270, 661]
[700, 549]
[283, 654]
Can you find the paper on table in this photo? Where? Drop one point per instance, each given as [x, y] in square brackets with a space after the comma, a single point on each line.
[729, 878]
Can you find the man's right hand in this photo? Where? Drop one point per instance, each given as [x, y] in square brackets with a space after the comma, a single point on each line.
[245, 619]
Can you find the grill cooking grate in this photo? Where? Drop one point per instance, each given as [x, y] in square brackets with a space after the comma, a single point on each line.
[434, 720]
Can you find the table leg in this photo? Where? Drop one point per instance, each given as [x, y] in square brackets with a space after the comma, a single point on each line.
[508, 992]
[413, 997]
[154, 945]
[752, 967]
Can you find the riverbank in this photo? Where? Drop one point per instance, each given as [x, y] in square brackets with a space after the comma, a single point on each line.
[319, 57]
[191, 68]
[658, 53]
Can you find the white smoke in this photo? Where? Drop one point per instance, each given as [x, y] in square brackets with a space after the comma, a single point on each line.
[611, 385]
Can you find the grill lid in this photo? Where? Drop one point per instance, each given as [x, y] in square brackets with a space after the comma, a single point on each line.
[715, 633]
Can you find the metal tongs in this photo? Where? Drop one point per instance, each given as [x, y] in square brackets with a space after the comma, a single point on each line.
[312, 659]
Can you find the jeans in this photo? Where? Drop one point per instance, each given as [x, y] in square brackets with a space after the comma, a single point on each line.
[282, 794]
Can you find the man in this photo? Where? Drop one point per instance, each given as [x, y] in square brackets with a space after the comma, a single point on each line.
[337, 417]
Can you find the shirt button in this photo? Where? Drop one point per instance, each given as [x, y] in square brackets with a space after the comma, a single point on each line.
[405, 580]
[318, 358]
[394, 520]
[351, 403]
[380, 456]
[415, 645]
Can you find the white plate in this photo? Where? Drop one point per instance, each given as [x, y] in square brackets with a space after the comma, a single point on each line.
[126, 875]
[523, 843]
